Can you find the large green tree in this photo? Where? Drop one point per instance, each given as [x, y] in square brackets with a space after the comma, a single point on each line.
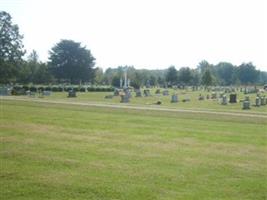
[69, 61]
[185, 75]
[207, 78]
[247, 73]
[225, 73]
[172, 76]
[203, 66]
[11, 48]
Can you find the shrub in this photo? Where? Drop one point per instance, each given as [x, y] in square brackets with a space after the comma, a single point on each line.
[55, 89]
[93, 89]
[25, 87]
[48, 88]
[98, 89]
[89, 89]
[33, 89]
[40, 88]
[60, 89]
[83, 89]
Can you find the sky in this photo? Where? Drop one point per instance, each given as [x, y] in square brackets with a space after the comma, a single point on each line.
[152, 34]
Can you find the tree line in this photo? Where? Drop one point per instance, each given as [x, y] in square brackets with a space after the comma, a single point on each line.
[70, 62]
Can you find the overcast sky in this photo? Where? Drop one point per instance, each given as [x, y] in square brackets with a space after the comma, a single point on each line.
[147, 33]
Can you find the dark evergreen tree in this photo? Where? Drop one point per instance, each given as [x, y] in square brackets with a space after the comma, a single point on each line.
[69, 61]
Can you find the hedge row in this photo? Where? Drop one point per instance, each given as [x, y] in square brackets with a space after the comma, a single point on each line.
[61, 89]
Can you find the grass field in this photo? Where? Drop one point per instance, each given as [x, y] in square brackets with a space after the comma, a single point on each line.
[53, 151]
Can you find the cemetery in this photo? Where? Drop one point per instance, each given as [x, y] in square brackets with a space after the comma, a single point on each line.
[219, 98]
[141, 115]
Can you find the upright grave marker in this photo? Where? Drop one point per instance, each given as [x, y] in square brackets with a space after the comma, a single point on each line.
[246, 103]
[257, 102]
[232, 98]
[174, 98]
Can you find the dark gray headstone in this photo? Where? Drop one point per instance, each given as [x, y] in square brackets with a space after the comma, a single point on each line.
[72, 93]
[233, 98]
[138, 93]
[125, 99]
[246, 105]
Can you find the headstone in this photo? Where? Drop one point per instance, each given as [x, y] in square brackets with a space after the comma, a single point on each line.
[72, 93]
[246, 98]
[262, 100]
[4, 91]
[232, 98]
[121, 82]
[174, 98]
[246, 105]
[138, 93]
[116, 92]
[224, 100]
[127, 92]
[28, 92]
[46, 93]
[125, 98]
[257, 101]
[165, 92]
[208, 96]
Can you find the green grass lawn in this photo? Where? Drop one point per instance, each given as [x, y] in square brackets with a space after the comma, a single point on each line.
[51, 151]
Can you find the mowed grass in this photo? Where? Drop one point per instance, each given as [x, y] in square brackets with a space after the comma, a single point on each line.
[53, 151]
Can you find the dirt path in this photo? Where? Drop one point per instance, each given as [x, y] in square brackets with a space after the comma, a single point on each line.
[135, 107]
